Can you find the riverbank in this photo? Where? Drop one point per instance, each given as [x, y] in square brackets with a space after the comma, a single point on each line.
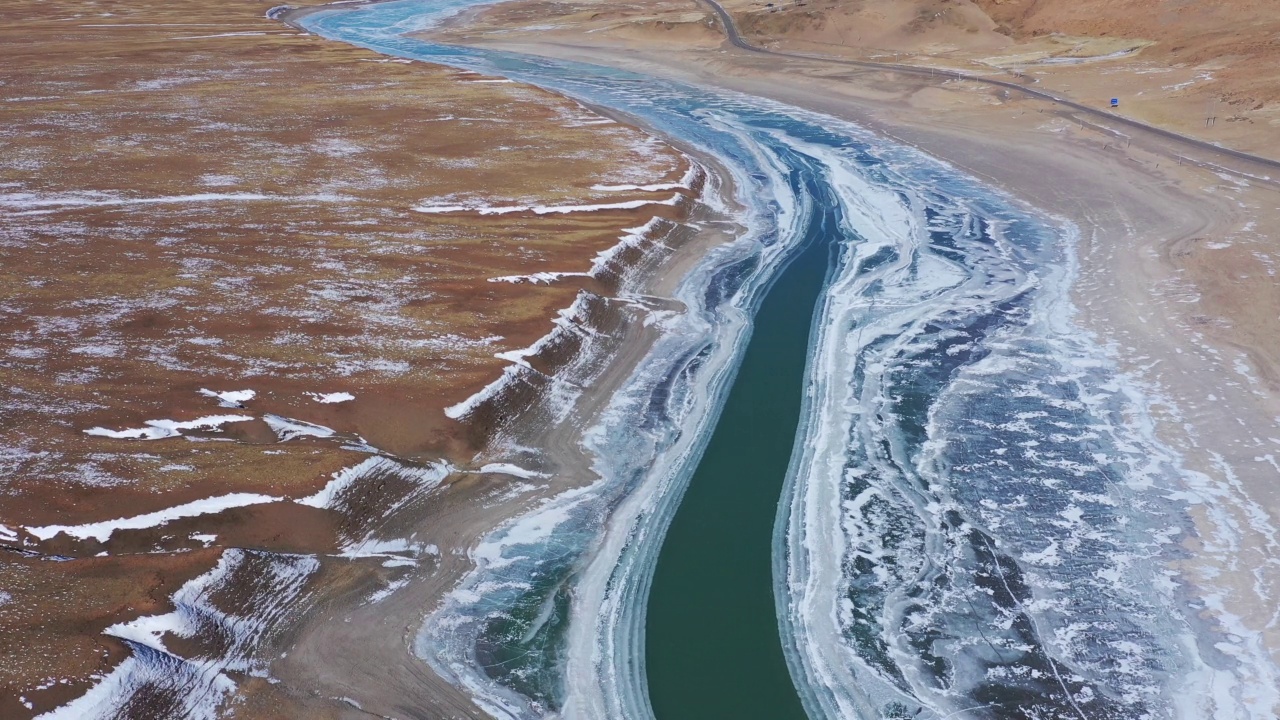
[1176, 271]
[371, 651]
[1129, 197]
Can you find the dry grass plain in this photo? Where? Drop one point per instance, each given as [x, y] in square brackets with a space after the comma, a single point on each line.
[195, 197]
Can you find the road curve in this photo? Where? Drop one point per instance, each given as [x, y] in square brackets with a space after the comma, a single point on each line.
[731, 32]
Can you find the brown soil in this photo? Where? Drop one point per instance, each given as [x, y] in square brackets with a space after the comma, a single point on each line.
[197, 197]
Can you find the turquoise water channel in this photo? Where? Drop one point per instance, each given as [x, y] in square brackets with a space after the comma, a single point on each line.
[712, 639]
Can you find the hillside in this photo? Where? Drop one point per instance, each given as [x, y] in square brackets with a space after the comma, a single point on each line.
[1202, 68]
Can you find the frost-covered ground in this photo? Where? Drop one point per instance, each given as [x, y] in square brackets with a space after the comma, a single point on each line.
[225, 326]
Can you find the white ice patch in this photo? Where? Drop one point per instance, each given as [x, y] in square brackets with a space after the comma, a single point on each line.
[215, 180]
[102, 530]
[230, 398]
[540, 278]
[289, 429]
[565, 321]
[386, 592]
[33, 203]
[513, 470]
[331, 398]
[161, 429]
[504, 547]
[236, 628]
[330, 497]
[543, 209]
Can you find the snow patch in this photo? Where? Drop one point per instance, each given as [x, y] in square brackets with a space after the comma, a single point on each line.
[330, 497]
[331, 398]
[513, 470]
[161, 429]
[288, 429]
[100, 531]
[230, 398]
[543, 209]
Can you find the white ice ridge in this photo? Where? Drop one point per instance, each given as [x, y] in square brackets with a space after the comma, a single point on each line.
[35, 202]
[644, 188]
[224, 35]
[200, 683]
[539, 278]
[102, 530]
[468, 406]
[330, 495]
[330, 398]
[425, 476]
[160, 429]
[7, 534]
[544, 209]
[631, 237]
[288, 428]
[564, 322]
[230, 398]
[513, 470]
[394, 549]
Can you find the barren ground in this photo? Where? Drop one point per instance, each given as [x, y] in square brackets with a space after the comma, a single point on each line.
[194, 197]
[1202, 69]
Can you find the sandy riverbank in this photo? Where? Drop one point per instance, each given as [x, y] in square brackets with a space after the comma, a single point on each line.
[1177, 270]
[364, 653]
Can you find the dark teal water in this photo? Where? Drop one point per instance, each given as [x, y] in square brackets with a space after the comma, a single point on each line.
[712, 642]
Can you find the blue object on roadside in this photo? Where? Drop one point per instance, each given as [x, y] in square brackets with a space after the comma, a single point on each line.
[1115, 102]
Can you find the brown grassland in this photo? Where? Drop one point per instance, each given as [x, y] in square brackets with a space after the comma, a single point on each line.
[193, 196]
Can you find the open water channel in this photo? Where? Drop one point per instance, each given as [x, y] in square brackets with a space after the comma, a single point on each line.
[875, 470]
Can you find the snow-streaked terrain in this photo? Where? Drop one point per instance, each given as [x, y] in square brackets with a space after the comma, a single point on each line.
[978, 513]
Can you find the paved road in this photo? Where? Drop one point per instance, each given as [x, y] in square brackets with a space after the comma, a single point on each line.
[731, 30]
